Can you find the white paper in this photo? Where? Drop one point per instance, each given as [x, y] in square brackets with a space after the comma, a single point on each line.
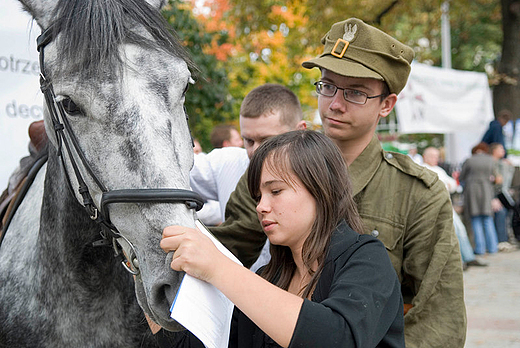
[203, 309]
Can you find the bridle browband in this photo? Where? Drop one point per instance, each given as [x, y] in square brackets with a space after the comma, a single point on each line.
[111, 236]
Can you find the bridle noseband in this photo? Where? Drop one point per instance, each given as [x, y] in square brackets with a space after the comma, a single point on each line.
[111, 236]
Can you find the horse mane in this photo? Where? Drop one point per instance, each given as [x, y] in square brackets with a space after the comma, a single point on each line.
[93, 30]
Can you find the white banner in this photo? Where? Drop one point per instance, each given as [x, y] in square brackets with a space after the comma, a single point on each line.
[20, 97]
[437, 100]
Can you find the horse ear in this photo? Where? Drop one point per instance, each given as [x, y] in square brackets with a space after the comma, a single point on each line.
[158, 4]
[40, 10]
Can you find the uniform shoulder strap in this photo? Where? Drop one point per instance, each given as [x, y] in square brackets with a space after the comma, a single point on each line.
[406, 165]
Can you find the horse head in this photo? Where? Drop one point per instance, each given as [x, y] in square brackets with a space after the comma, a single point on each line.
[118, 80]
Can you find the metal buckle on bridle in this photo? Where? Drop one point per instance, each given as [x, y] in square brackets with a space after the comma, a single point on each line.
[93, 212]
[124, 248]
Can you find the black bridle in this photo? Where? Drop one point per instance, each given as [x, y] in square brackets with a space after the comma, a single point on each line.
[110, 234]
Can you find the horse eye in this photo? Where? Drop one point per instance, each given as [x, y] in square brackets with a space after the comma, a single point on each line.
[70, 107]
[186, 89]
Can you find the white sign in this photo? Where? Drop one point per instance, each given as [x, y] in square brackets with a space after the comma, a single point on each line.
[437, 100]
[20, 97]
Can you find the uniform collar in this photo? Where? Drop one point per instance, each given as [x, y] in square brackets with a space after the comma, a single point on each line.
[366, 165]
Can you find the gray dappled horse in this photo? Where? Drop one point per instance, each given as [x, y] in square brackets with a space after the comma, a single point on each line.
[114, 81]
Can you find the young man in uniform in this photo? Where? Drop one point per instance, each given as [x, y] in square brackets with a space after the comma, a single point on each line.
[401, 203]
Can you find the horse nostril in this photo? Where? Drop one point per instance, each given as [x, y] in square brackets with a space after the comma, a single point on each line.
[170, 293]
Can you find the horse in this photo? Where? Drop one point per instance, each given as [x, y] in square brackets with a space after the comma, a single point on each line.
[114, 79]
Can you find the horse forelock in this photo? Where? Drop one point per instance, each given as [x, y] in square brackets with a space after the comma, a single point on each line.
[92, 32]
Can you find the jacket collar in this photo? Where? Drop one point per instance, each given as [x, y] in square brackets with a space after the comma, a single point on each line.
[342, 238]
[365, 166]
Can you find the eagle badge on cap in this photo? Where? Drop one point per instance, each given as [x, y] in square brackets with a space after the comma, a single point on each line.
[350, 32]
[349, 35]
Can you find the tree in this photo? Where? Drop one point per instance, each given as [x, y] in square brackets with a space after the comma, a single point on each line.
[476, 36]
[475, 28]
[261, 41]
[506, 94]
[267, 52]
[208, 101]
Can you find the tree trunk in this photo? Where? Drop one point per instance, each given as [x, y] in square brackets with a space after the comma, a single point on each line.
[506, 95]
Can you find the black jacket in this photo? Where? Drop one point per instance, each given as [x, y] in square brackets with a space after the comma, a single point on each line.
[357, 301]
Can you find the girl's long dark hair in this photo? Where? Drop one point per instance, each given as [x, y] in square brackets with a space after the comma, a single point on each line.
[317, 162]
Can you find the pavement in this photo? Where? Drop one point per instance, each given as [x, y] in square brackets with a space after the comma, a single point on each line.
[492, 296]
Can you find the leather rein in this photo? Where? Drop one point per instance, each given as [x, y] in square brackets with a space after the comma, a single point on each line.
[110, 234]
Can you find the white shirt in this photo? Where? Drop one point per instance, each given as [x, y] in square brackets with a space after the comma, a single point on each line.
[210, 213]
[449, 182]
[417, 158]
[215, 175]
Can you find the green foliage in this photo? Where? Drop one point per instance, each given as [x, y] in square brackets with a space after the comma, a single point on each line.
[273, 46]
[476, 33]
[208, 102]
[243, 44]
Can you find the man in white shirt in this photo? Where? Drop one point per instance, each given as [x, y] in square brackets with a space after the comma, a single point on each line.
[223, 135]
[267, 110]
[414, 155]
[431, 157]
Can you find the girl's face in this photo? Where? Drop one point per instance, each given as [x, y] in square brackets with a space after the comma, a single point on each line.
[286, 209]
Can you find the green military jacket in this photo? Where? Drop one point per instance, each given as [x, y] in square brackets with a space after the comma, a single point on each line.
[408, 208]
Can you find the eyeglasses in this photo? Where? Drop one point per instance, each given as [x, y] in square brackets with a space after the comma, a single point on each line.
[350, 95]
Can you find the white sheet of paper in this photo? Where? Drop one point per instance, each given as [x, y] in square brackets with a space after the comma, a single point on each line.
[203, 309]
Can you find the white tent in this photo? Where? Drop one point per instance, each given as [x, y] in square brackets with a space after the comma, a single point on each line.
[456, 103]
[20, 97]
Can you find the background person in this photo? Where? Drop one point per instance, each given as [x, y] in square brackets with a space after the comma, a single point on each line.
[495, 132]
[196, 147]
[267, 110]
[225, 135]
[210, 212]
[501, 216]
[326, 285]
[478, 177]
[37, 149]
[414, 155]
[431, 157]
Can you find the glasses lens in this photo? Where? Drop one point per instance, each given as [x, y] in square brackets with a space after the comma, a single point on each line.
[354, 96]
[325, 89]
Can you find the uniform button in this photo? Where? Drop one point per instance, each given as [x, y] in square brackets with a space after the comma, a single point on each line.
[374, 233]
[389, 156]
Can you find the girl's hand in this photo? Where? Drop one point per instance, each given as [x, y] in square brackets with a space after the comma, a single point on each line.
[194, 253]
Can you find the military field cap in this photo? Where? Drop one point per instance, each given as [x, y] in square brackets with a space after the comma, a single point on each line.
[356, 49]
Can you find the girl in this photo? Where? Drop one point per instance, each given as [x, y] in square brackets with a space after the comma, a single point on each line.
[326, 285]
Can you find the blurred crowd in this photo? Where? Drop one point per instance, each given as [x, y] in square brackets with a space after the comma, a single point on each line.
[484, 196]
